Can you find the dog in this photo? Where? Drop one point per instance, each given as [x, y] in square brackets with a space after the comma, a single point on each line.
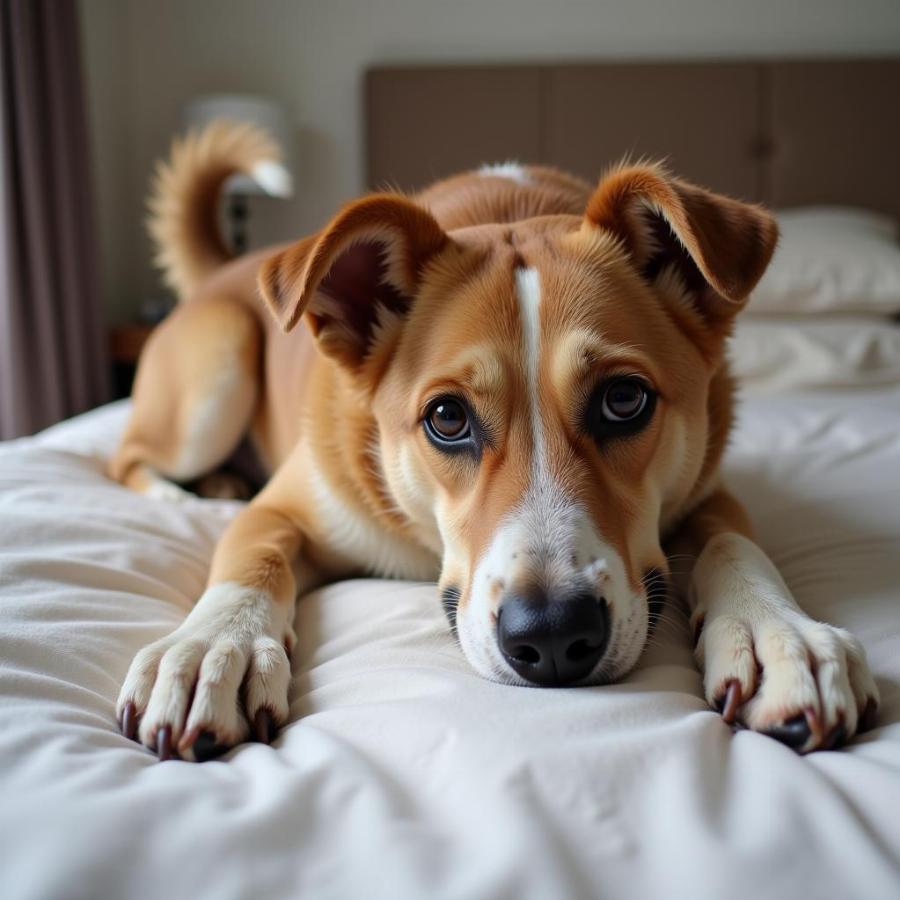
[512, 383]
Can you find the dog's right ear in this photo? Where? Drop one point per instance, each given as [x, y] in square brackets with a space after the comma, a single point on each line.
[366, 264]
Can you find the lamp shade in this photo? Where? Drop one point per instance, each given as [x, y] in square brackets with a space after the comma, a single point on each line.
[242, 108]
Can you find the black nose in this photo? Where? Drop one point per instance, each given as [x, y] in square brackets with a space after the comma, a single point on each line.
[553, 641]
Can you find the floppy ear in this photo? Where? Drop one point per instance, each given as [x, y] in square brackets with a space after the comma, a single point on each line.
[365, 264]
[717, 246]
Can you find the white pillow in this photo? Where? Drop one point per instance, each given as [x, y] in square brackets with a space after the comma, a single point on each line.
[832, 260]
[836, 352]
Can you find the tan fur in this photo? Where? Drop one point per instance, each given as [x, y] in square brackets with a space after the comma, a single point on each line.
[401, 300]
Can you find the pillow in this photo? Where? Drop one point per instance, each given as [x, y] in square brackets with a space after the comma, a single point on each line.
[832, 260]
[840, 352]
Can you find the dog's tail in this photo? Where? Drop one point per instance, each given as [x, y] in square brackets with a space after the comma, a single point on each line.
[184, 200]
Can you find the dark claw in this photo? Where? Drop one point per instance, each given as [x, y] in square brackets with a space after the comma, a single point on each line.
[264, 726]
[793, 733]
[729, 703]
[164, 743]
[837, 737]
[869, 718]
[129, 720]
[206, 747]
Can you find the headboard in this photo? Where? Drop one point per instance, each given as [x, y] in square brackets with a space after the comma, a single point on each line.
[782, 133]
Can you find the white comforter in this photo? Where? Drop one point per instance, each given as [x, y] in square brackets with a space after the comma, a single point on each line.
[405, 775]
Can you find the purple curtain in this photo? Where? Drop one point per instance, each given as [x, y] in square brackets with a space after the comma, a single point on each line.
[53, 355]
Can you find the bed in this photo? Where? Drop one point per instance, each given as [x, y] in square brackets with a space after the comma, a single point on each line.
[403, 774]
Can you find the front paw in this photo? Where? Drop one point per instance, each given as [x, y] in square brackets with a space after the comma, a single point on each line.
[197, 692]
[802, 682]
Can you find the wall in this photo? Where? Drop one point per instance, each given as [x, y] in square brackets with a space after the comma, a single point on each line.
[147, 57]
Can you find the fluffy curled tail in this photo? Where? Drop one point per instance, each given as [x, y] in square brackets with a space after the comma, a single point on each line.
[184, 200]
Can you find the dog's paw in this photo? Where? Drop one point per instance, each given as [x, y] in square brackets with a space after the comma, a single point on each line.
[799, 681]
[223, 672]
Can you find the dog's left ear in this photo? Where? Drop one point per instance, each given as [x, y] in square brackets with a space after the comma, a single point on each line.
[363, 267]
[718, 247]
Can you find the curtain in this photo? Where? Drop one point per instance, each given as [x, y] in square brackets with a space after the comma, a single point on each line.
[53, 355]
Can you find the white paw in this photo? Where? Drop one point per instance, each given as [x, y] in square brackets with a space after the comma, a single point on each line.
[197, 691]
[162, 489]
[802, 682]
[767, 664]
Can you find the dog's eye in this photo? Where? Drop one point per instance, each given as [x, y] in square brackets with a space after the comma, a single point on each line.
[447, 421]
[624, 400]
[618, 408]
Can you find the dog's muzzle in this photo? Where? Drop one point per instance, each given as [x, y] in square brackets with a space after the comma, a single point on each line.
[553, 641]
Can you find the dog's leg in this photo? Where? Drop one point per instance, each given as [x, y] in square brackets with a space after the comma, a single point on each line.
[226, 668]
[766, 663]
[194, 394]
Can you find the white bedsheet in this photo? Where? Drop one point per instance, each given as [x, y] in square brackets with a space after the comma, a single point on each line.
[405, 775]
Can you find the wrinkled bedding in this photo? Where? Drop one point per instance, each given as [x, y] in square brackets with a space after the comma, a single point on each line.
[403, 774]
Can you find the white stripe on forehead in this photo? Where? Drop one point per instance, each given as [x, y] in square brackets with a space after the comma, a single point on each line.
[528, 290]
[545, 513]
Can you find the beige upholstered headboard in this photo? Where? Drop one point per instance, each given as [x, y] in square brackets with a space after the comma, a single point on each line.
[783, 133]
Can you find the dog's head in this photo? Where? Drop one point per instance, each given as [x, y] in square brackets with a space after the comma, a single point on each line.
[548, 397]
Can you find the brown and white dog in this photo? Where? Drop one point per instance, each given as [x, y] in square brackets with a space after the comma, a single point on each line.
[511, 383]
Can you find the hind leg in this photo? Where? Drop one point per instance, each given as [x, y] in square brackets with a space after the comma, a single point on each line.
[194, 395]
